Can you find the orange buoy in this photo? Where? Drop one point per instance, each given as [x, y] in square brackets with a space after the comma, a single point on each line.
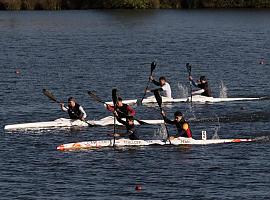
[138, 187]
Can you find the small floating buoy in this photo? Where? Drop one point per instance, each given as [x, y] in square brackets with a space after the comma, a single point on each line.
[17, 71]
[138, 187]
[261, 61]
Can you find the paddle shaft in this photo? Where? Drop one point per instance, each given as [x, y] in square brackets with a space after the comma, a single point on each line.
[190, 82]
[159, 101]
[153, 66]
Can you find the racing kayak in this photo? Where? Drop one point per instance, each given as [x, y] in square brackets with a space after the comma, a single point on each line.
[128, 142]
[196, 98]
[67, 123]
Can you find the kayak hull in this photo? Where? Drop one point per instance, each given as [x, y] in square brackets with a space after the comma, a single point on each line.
[127, 142]
[67, 123]
[196, 98]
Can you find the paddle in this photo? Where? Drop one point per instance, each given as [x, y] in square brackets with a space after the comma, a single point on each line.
[114, 98]
[153, 66]
[188, 66]
[98, 99]
[159, 101]
[48, 94]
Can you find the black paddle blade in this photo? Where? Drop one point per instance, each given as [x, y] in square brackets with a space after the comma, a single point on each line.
[188, 66]
[153, 66]
[114, 96]
[49, 95]
[93, 95]
[158, 98]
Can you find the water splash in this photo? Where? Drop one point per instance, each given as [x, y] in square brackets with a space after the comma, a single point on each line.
[223, 90]
[161, 133]
[262, 139]
[216, 129]
[183, 91]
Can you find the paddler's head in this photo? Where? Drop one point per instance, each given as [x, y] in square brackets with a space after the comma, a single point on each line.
[203, 79]
[130, 120]
[71, 102]
[162, 80]
[178, 116]
[119, 102]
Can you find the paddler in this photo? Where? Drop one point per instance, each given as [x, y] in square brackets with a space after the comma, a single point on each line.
[165, 87]
[203, 85]
[181, 124]
[75, 111]
[123, 110]
[130, 127]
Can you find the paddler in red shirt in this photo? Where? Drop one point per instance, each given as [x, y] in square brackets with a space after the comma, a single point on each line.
[123, 110]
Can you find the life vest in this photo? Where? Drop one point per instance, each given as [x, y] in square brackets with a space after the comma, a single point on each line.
[180, 128]
[122, 111]
[75, 113]
[207, 91]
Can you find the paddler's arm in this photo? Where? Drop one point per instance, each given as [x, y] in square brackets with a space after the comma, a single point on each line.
[63, 107]
[166, 120]
[84, 115]
[187, 130]
[154, 81]
[192, 81]
[110, 108]
[198, 91]
[131, 111]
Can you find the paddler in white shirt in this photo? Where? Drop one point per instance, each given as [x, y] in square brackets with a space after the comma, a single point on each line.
[75, 111]
[165, 87]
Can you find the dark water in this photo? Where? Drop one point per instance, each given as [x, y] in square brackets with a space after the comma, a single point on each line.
[72, 52]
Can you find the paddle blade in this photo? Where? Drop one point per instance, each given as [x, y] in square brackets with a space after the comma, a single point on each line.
[49, 95]
[188, 66]
[158, 98]
[153, 66]
[93, 95]
[114, 96]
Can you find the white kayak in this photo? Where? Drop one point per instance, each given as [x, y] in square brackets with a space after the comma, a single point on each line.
[128, 142]
[195, 98]
[67, 123]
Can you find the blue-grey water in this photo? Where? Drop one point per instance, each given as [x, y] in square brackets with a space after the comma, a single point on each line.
[71, 52]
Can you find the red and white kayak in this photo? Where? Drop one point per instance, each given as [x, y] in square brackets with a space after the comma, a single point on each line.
[195, 98]
[127, 142]
[67, 123]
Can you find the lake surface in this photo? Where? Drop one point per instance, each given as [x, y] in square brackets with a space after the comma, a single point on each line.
[71, 52]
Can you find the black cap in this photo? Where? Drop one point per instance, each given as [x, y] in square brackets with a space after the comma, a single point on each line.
[203, 78]
[71, 99]
[162, 78]
[119, 99]
[178, 113]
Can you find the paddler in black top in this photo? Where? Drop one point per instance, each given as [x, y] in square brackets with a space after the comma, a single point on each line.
[130, 127]
[203, 85]
[75, 111]
[122, 109]
[181, 124]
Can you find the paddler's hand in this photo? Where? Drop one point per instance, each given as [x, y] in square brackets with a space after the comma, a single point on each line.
[82, 118]
[163, 113]
[115, 135]
[62, 105]
[115, 113]
[190, 78]
[151, 78]
[171, 138]
[147, 91]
